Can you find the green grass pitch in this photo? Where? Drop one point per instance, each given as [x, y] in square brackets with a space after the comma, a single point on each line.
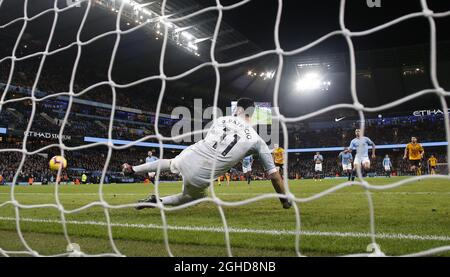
[412, 218]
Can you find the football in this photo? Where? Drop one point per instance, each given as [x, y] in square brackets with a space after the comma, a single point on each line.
[56, 162]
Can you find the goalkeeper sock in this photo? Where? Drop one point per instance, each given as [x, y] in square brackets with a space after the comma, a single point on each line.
[189, 194]
[175, 200]
[353, 175]
[153, 166]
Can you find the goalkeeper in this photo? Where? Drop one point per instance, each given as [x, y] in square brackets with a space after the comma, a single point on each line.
[229, 140]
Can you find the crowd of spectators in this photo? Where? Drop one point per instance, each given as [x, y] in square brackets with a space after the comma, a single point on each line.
[91, 120]
[35, 166]
[426, 129]
[89, 161]
[56, 79]
[92, 161]
[302, 166]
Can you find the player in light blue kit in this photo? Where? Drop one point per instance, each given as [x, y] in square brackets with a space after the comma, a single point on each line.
[346, 158]
[387, 166]
[361, 145]
[247, 168]
[150, 158]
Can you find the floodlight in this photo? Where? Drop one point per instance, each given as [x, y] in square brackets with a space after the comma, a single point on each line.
[310, 81]
[187, 35]
[192, 46]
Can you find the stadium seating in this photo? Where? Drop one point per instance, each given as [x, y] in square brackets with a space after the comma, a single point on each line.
[91, 120]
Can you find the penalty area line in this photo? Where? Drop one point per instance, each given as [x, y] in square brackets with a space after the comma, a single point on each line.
[224, 193]
[393, 236]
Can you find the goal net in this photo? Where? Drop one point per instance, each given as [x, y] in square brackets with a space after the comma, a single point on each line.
[136, 10]
[441, 168]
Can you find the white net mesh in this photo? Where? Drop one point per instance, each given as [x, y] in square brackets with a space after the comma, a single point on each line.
[281, 54]
[441, 168]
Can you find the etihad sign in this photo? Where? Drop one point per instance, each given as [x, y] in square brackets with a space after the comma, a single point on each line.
[429, 112]
[46, 135]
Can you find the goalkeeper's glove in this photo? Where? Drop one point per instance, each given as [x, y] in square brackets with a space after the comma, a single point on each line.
[127, 169]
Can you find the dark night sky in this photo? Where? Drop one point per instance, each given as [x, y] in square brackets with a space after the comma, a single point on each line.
[304, 21]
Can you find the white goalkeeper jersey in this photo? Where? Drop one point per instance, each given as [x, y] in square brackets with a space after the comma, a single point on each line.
[228, 141]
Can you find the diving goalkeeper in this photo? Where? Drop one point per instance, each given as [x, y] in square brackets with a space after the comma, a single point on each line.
[229, 140]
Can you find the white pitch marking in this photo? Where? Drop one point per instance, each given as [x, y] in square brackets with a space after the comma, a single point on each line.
[242, 230]
[225, 193]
